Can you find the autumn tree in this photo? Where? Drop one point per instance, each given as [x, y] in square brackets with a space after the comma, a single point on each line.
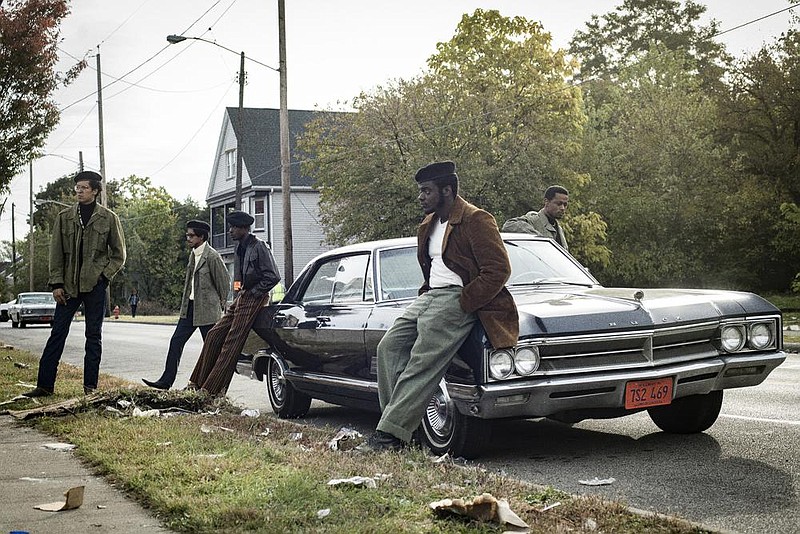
[494, 99]
[29, 31]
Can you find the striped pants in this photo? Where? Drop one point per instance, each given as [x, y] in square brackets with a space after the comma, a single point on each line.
[224, 342]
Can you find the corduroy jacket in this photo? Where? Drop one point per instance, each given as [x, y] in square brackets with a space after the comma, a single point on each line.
[102, 251]
[472, 249]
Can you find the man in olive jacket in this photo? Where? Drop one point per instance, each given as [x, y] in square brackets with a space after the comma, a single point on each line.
[465, 267]
[87, 249]
[205, 291]
[545, 221]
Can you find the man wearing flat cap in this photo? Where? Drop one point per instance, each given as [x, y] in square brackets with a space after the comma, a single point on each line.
[87, 249]
[205, 290]
[465, 267]
[255, 274]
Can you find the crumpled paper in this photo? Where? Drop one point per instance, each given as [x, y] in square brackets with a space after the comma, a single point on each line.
[359, 481]
[484, 507]
[74, 500]
[345, 440]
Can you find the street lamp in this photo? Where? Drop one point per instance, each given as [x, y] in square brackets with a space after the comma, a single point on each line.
[283, 137]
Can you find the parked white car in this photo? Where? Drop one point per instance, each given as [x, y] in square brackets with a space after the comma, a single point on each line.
[32, 308]
[4, 309]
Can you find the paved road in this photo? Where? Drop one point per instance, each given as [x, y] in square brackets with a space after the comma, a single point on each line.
[742, 475]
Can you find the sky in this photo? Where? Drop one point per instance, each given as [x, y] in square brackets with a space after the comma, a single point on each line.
[163, 104]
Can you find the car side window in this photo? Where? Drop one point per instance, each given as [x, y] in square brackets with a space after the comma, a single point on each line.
[340, 280]
[400, 274]
[349, 283]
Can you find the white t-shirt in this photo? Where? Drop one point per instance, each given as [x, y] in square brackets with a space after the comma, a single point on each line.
[441, 276]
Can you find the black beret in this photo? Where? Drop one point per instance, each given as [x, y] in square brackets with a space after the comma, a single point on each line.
[436, 171]
[88, 175]
[199, 225]
[240, 218]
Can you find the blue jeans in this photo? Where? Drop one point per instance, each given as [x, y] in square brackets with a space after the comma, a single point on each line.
[94, 303]
[183, 331]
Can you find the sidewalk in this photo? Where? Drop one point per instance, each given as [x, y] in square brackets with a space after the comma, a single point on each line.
[31, 474]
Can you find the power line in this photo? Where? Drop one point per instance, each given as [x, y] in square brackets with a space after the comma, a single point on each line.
[756, 20]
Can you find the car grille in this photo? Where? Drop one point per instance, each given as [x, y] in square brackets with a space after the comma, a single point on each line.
[38, 311]
[625, 351]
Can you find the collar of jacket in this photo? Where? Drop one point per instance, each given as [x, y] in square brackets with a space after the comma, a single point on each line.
[456, 213]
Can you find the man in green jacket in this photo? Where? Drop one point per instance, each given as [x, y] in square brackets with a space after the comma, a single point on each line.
[205, 291]
[465, 268]
[87, 249]
[545, 221]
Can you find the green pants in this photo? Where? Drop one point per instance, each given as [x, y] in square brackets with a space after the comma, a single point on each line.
[414, 355]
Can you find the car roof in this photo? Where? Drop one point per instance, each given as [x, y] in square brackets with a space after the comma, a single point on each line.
[368, 246]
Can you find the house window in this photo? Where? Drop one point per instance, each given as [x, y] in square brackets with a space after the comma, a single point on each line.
[230, 158]
[219, 227]
[259, 214]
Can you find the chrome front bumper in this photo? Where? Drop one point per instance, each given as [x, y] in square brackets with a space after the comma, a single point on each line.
[544, 396]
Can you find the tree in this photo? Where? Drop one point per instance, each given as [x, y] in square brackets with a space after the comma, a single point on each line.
[494, 99]
[659, 176]
[29, 31]
[620, 38]
[761, 122]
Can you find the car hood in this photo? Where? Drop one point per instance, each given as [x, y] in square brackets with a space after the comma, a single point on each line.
[576, 310]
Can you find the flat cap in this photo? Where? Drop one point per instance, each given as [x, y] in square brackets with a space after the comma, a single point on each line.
[240, 218]
[87, 175]
[436, 171]
[198, 225]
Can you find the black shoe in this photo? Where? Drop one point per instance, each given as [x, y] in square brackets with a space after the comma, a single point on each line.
[156, 384]
[88, 390]
[191, 387]
[381, 442]
[38, 392]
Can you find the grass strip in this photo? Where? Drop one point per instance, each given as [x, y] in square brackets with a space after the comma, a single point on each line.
[207, 468]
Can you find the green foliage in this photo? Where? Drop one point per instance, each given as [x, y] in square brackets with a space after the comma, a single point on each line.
[619, 39]
[655, 165]
[494, 100]
[154, 236]
[28, 56]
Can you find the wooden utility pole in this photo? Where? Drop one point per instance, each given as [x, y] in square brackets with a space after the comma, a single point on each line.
[30, 232]
[103, 195]
[239, 138]
[286, 169]
[13, 249]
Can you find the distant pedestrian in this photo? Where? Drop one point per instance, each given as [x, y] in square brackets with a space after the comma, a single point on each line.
[545, 221]
[87, 248]
[255, 274]
[205, 291]
[133, 300]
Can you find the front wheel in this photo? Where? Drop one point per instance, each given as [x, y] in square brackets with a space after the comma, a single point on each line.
[688, 415]
[286, 401]
[445, 430]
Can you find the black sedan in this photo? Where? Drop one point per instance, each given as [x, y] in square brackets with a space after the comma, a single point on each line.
[584, 351]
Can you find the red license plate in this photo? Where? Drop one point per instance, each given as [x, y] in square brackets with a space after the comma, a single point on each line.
[646, 393]
[47, 318]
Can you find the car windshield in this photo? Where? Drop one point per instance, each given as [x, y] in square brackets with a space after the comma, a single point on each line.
[45, 298]
[541, 262]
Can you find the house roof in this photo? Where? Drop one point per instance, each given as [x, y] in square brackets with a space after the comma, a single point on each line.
[259, 134]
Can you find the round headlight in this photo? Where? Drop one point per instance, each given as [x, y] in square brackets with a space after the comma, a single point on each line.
[760, 336]
[501, 364]
[526, 360]
[732, 338]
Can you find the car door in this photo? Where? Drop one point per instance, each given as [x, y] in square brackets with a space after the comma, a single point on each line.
[323, 330]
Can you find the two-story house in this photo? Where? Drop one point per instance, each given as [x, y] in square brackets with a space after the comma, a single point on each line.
[261, 186]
